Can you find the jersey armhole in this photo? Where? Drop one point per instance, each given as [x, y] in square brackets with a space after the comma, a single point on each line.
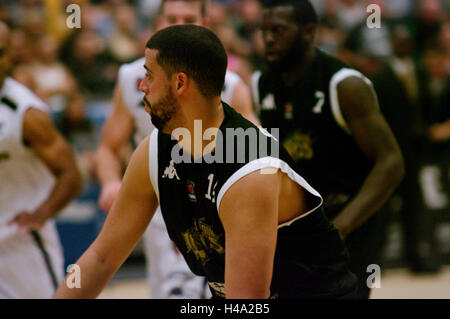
[153, 160]
[264, 163]
[337, 78]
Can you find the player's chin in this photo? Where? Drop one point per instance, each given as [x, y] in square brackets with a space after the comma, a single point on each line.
[272, 57]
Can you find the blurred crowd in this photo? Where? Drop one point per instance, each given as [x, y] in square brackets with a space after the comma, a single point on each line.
[408, 59]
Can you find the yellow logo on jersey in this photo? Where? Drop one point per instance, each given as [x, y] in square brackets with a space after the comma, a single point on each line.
[299, 146]
[201, 240]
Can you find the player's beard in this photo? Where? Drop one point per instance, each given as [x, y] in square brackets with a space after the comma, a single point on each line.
[294, 56]
[163, 111]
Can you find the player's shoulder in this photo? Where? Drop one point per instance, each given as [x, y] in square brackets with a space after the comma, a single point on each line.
[19, 97]
[335, 69]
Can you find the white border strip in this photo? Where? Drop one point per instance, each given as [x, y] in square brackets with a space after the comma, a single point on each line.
[265, 163]
[334, 99]
[153, 160]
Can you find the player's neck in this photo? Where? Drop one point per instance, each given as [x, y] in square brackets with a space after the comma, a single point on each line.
[203, 116]
[297, 71]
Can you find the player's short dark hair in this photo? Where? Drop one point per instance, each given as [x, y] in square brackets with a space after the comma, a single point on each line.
[304, 12]
[203, 4]
[194, 50]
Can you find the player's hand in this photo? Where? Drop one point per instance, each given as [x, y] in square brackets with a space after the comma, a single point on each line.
[108, 195]
[341, 228]
[26, 221]
[439, 132]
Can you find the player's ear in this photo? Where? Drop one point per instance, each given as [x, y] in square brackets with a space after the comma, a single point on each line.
[181, 82]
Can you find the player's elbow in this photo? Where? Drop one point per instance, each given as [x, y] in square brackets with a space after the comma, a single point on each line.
[396, 169]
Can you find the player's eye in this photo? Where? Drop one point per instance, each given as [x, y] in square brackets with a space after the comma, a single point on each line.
[189, 20]
[171, 20]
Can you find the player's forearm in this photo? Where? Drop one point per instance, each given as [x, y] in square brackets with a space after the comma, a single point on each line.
[68, 185]
[107, 166]
[94, 272]
[382, 180]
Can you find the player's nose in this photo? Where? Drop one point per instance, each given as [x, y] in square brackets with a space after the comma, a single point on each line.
[142, 86]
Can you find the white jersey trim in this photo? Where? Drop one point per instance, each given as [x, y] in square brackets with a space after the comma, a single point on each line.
[231, 80]
[337, 78]
[271, 162]
[153, 160]
[25, 99]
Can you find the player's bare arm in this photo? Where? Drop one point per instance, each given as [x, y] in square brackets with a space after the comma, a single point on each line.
[116, 132]
[50, 146]
[242, 102]
[250, 222]
[358, 103]
[124, 226]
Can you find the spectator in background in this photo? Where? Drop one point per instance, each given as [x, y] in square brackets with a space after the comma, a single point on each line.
[54, 84]
[93, 67]
[347, 14]
[402, 87]
[435, 178]
[364, 48]
[429, 17]
[237, 35]
[399, 9]
[149, 8]
[123, 42]
[22, 50]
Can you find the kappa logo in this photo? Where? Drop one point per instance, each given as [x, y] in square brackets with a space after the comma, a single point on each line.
[170, 172]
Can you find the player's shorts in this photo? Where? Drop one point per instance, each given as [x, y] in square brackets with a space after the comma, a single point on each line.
[31, 264]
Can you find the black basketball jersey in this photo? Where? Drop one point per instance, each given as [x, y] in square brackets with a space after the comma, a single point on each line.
[190, 195]
[313, 129]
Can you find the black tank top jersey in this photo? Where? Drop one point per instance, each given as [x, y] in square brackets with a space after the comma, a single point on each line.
[310, 258]
[324, 150]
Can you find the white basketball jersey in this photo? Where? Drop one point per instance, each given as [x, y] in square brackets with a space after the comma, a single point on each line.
[25, 181]
[129, 77]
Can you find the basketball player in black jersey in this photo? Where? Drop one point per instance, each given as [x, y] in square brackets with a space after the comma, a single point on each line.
[252, 227]
[330, 124]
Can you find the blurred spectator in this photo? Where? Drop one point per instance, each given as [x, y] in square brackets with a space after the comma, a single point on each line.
[347, 14]
[429, 17]
[149, 8]
[123, 42]
[22, 50]
[403, 91]
[364, 47]
[54, 84]
[399, 9]
[86, 56]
